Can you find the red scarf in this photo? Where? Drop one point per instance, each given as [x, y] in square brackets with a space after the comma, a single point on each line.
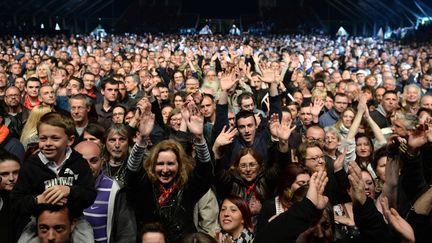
[165, 194]
[4, 133]
[250, 189]
[28, 104]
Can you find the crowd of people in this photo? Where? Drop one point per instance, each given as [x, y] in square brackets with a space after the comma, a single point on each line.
[166, 138]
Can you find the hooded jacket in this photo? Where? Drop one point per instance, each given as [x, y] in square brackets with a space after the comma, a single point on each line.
[35, 177]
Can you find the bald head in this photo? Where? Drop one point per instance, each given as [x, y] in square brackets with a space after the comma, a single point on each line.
[92, 154]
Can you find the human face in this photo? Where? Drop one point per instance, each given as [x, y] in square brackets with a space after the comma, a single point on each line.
[129, 117]
[331, 141]
[111, 92]
[118, 115]
[53, 142]
[20, 84]
[89, 81]
[248, 167]
[426, 81]
[315, 134]
[341, 103]
[389, 84]
[328, 103]
[42, 71]
[399, 128]
[178, 78]
[73, 87]
[175, 121]
[191, 86]
[247, 104]
[207, 107]
[9, 174]
[12, 97]
[47, 95]
[380, 170]
[298, 97]
[412, 95]
[347, 118]
[369, 184]
[371, 81]
[178, 102]
[379, 93]
[389, 102]
[54, 227]
[247, 128]
[301, 180]
[130, 84]
[293, 110]
[32, 88]
[363, 147]
[231, 218]
[117, 146]
[166, 167]
[165, 113]
[91, 152]
[164, 93]
[231, 118]
[153, 237]
[79, 110]
[88, 137]
[426, 102]
[306, 115]
[314, 159]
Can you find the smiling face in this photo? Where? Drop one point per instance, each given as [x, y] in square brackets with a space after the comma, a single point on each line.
[230, 218]
[166, 167]
[314, 159]
[53, 142]
[248, 167]
[331, 141]
[347, 118]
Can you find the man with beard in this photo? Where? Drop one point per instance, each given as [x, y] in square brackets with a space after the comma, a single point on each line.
[110, 93]
[17, 114]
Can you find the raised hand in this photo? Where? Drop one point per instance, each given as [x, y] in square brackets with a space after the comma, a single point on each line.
[146, 124]
[280, 130]
[398, 223]
[195, 121]
[226, 136]
[358, 194]
[316, 107]
[315, 192]
[339, 162]
[228, 81]
[417, 137]
[268, 75]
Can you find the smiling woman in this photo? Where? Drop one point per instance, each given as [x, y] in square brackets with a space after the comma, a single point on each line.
[235, 221]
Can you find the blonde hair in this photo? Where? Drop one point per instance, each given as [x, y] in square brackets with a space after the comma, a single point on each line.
[319, 93]
[184, 163]
[48, 72]
[30, 128]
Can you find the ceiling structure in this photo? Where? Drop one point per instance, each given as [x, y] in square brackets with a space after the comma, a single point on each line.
[137, 15]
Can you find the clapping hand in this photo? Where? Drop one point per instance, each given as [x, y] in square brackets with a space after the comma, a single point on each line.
[315, 192]
[358, 194]
[398, 223]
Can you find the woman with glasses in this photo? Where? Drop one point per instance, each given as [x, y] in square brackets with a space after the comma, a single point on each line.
[247, 177]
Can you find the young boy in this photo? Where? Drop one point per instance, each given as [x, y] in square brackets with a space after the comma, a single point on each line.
[57, 174]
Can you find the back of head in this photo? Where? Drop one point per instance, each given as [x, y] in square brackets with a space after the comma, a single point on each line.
[198, 237]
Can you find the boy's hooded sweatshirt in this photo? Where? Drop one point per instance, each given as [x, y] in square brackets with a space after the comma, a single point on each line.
[35, 177]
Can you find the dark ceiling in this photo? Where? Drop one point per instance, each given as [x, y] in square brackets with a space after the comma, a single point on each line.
[122, 15]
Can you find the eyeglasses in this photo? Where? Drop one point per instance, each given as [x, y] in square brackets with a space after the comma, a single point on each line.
[12, 96]
[118, 114]
[316, 158]
[251, 166]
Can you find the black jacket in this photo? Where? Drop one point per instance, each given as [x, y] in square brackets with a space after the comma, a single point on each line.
[35, 177]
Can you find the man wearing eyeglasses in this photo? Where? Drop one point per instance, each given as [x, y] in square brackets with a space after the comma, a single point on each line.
[16, 112]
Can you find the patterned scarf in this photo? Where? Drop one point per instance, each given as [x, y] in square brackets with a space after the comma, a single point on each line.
[165, 194]
[246, 236]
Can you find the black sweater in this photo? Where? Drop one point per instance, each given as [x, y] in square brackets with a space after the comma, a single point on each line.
[35, 177]
[290, 224]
